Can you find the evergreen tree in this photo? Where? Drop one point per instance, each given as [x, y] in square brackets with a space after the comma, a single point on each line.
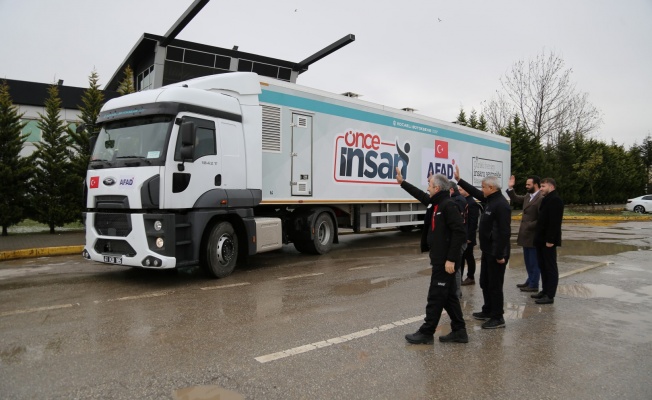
[54, 185]
[483, 125]
[473, 119]
[126, 85]
[526, 152]
[461, 117]
[92, 101]
[14, 170]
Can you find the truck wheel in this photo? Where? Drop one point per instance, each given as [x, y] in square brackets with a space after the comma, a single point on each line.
[322, 241]
[221, 250]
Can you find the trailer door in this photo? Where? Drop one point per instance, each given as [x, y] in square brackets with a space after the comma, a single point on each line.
[301, 155]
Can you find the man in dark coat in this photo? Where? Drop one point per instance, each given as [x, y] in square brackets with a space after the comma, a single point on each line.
[442, 236]
[494, 232]
[527, 228]
[463, 206]
[472, 217]
[546, 240]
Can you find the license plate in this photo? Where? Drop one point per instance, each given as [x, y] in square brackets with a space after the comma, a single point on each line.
[113, 260]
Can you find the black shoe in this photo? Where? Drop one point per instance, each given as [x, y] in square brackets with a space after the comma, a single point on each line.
[545, 300]
[529, 289]
[481, 316]
[520, 285]
[419, 338]
[459, 336]
[494, 323]
[538, 295]
[468, 281]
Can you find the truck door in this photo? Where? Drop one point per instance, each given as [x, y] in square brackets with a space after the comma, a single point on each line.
[186, 181]
[301, 155]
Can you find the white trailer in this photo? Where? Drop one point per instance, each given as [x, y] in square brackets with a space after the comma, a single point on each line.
[214, 169]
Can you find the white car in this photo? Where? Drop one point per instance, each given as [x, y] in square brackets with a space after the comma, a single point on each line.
[641, 204]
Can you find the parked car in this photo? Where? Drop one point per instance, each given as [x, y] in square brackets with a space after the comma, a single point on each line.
[640, 204]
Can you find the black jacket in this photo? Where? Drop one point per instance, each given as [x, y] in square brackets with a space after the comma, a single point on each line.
[473, 214]
[551, 213]
[495, 225]
[445, 241]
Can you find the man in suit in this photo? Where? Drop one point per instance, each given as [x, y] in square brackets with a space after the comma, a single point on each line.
[473, 215]
[546, 240]
[494, 231]
[527, 228]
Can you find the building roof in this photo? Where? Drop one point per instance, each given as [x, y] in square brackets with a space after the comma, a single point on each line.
[35, 93]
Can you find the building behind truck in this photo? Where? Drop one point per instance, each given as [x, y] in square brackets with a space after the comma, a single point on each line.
[214, 169]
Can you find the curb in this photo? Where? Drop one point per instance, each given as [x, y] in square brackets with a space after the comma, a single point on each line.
[615, 218]
[40, 252]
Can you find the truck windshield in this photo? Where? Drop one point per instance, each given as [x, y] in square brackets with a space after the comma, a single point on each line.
[132, 142]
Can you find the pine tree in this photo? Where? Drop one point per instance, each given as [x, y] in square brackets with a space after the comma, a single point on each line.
[473, 119]
[14, 170]
[53, 188]
[461, 117]
[126, 85]
[483, 125]
[92, 101]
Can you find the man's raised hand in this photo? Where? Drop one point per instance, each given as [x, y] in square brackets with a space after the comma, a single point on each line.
[399, 177]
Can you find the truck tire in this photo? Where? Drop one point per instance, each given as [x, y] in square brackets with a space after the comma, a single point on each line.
[221, 253]
[322, 240]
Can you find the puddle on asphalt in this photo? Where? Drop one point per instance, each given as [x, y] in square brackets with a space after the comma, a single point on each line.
[593, 248]
[206, 393]
[590, 291]
[362, 286]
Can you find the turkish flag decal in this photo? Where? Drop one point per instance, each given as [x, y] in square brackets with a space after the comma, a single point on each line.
[441, 149]
[95, 182]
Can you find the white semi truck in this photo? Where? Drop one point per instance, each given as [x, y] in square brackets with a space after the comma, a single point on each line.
[214, 169]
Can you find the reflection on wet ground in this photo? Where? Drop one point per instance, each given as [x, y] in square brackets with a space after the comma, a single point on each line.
[206, 393]
[590, 290]
[361, 286]
[592, 248]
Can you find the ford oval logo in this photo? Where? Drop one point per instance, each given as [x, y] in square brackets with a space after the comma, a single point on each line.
[108, 181]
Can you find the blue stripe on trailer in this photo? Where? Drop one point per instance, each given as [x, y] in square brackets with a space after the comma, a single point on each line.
[288, 100]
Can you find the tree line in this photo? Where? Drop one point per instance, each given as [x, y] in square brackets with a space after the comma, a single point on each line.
[48, 185]
[551, 125]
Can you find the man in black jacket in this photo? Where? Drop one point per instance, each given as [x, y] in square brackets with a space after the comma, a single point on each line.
[494, 231]
[472, 217]
[546, 239]
[442, 235]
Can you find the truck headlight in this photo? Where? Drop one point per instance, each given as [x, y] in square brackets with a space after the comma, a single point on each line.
[159, 243]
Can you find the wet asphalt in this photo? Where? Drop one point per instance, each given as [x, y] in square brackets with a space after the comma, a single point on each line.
[291, 326]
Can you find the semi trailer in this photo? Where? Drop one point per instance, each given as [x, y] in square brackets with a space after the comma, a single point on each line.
[212, 170]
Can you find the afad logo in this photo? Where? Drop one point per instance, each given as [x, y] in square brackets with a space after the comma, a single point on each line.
[438, 160]
[365, 158]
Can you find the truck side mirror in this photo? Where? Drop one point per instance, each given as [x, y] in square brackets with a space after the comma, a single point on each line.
[187, 132]
[91, 143]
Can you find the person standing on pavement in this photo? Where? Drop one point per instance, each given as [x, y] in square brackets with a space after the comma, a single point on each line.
[443, 236]
[494, 231]
[527, 228]
[462, 205]
[547, 238]
[472, 216]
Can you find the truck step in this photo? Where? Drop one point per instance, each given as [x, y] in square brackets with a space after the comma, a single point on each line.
[188, 263]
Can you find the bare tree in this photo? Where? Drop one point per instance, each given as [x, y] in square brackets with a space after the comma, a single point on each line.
[542, 94]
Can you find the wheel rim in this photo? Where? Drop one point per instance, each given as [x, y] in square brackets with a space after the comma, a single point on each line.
[225, 249]
[324, 233]
[638, 209]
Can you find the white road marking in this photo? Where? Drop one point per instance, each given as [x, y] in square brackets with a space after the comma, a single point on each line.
[341, 339]
[225, 286]
[367, 267]
[31, 310]
[299, 276]
[584, 269]
[142, 296]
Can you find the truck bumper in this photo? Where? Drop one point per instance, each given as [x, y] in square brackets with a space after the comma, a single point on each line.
[131, 239]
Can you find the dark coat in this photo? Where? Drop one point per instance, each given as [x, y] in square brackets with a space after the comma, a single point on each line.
[551, 213]
[495, 225]
[473, 215]
[529, 218]
[445, 241]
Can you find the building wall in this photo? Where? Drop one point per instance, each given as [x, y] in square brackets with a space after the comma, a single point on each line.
[31, 116]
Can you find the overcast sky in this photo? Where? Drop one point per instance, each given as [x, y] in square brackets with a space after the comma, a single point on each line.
[432, 55]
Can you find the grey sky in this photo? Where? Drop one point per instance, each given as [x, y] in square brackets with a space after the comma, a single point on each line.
[403, 55]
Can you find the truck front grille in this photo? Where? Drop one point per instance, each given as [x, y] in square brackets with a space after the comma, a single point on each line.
[112, 224]
[110, 246]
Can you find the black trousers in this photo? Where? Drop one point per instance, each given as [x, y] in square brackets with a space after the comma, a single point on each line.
[547, 257]
[442, 296]
[470, 261]
[492, 277]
